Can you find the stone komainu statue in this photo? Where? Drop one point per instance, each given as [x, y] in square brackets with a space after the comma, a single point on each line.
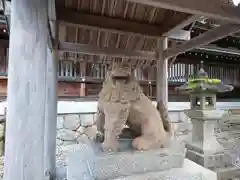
[122, 102]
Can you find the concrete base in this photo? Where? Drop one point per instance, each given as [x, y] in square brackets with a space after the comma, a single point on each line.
[220, 163]
[210, 161]
[91, 163]
[173, 174]
[229, 173]
[189, 171]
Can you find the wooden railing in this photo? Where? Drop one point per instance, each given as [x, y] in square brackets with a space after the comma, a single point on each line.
[177, 73]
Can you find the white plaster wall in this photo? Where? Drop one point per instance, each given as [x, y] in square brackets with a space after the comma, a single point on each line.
[91, 106]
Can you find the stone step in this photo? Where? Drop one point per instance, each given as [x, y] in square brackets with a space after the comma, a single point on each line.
[173, 174]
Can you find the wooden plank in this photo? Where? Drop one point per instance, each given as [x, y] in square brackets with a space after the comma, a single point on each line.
[24, 153]
[80, 19]
[51, 22]
[50, 37]
[215, 9]
[203, 39]
[181, 25]
[112, 52]
[50, 117]
[51, 94]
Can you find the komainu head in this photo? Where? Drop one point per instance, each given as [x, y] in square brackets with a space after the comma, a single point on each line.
[119, 72]
[120, 84]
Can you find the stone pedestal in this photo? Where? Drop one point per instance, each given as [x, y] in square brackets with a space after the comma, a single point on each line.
[90, 163]
[204, 148]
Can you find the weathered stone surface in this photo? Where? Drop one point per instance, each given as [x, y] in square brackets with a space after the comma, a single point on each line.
[112, 165]
[72, 122]
[91, 132]
[60, 121]
[65, 143]
[59, 142]
[122, 101]
[211, 161]
[79, 164]
[183, 138]
[87, 120]
[67, 135]
[181, 128]
[174, 174]
[64, 151]
[124, 164]
[82, 139]
[81, 129]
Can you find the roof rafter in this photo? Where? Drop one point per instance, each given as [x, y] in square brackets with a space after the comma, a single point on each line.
[203, 39]
[80, 19]
[183, 24]
[215, 9]
[112, 52]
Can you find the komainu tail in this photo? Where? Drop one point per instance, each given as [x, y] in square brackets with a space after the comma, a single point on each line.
[164, 115]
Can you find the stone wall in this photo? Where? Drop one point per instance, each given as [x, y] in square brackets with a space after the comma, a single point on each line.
[72, 128]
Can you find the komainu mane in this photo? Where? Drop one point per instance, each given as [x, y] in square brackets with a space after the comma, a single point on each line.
[122, 102]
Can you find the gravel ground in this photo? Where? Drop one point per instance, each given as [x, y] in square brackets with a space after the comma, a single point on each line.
[62, 152]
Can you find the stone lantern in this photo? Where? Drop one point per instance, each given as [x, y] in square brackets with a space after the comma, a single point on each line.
[203, 148]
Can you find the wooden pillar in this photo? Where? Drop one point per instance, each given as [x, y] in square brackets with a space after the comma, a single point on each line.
[51, 116]
[24, 152]
[51, 94]
[83, 67]
[162, 72]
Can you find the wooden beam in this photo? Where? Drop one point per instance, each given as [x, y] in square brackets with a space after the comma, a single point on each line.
[112, 52]
[79, 19]
[50, 37]
[51, 96]
[50, 117]
[183, 24]
[51, 23]
[213, 9]
[203, 39]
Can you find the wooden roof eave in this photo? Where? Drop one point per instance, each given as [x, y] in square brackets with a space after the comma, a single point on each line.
[217, 9]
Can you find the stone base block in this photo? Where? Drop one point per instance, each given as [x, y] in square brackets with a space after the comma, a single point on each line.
[209, 160]
[229, 173]
[174, 174]
[219, 163]
[125, 164]
[91, 163]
